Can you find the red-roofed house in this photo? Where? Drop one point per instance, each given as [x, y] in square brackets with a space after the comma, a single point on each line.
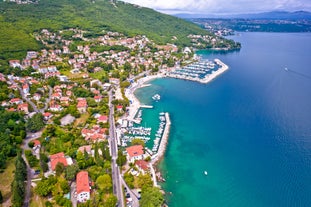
[16, 101]
[135, 152]
[36, 143]
[56, 108]
[102, 119]
[82, 106]
[56, 158]
[47, 116]
[15, 63]
[56, 96]
[26, 88]
[23, 107]
[120, 108]
[36, 146]
[97, 99]
[97, 137]
[64, 100]
[83, 187]
[142, 166]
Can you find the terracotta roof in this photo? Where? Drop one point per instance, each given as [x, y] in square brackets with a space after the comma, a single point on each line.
[56, 158]
[102, 118]
[15, 100]
[96, 136]
[135, 150]
[47, 114]
[142, 164]
[82, 103]
[23, 105]
[36, 142]
[83, 182]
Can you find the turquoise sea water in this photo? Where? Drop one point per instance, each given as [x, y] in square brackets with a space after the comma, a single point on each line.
[250, 129]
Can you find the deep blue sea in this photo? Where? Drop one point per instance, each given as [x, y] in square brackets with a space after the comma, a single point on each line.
[250, 128]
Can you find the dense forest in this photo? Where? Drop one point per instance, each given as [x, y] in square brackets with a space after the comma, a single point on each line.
[12, 133]
[19, 21]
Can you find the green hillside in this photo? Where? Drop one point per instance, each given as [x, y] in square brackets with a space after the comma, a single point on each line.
[19, 21]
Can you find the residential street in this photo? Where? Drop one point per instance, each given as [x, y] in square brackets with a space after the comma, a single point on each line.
[117, 187]
[30, 137]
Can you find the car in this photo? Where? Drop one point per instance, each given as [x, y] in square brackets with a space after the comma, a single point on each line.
[127, 195]
[37, 172]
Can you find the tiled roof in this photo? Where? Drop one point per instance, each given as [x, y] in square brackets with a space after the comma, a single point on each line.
[135, 150]
[56, 158]
[83, 182]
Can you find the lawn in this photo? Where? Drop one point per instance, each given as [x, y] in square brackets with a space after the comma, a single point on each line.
[82, 120]
[6, 179]
[37, 201]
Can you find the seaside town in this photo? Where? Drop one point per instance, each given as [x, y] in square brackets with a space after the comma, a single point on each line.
[85, 143]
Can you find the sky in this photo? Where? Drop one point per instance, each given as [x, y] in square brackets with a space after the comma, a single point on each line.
[223, 6]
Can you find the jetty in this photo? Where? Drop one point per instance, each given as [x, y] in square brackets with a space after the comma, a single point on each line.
[162, 147]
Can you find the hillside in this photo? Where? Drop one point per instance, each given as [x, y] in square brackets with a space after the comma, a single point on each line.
[19, 21]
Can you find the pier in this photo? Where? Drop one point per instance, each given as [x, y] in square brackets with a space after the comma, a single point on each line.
[146, 106]
[158, 156]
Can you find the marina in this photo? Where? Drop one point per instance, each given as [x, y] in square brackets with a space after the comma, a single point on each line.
[151, 137]
[202, 71]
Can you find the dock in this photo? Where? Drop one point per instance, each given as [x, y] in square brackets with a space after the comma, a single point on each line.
[146, 106]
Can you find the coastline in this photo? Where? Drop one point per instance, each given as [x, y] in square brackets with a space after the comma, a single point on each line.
[135, 105]
[129, 93]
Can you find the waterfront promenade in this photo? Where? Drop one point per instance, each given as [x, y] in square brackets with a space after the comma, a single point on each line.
[134, 102]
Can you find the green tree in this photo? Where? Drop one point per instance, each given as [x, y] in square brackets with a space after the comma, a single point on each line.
[121, 160]
[138, 142]
[45, 186]
[17, 186]
[104, 182]
[110, 201]
[71, 172]
[151, 197]
[144, 181]
[35, 123]
[59, 169]
[129, 179]
[127, 66]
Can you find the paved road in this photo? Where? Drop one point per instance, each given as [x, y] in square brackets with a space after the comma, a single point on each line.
[117, 187]
[28, 100]
[134, 196]
[30, 137]
[47, 101]
[35, 108]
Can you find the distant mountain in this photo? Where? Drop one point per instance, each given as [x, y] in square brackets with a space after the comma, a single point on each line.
[277, 15]
[266, 15]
